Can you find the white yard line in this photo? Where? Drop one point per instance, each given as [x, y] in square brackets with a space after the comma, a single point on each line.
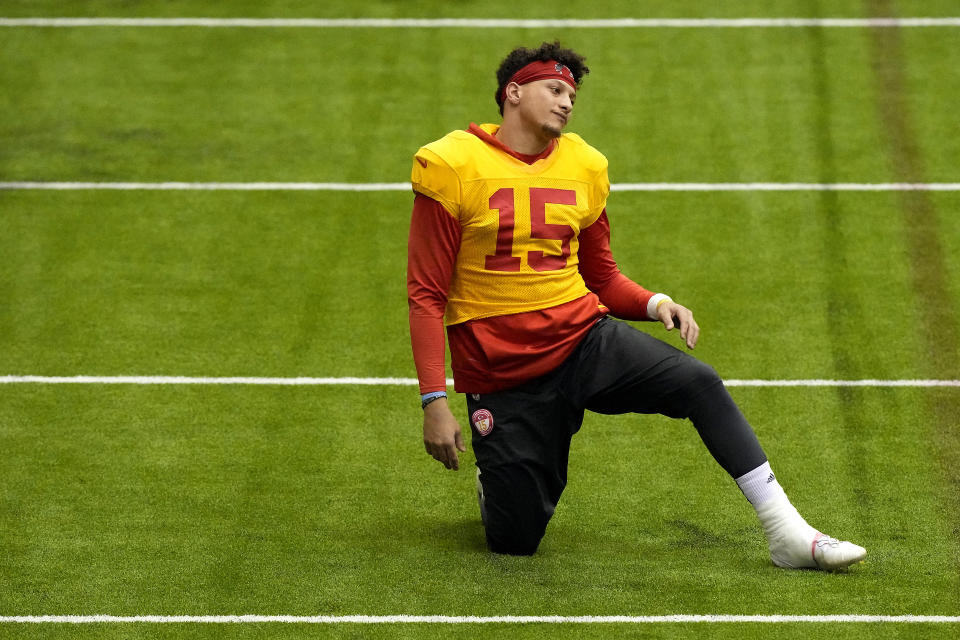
[412, 382]
[484, 23]
[787, 186]
[405, 186]
[842, 383]
[407, 619]
[184, 380]
[208, 186]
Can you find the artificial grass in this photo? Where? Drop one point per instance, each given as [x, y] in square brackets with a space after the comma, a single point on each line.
[696, 105]
[274, 500]
[466, 8]
[170, 500]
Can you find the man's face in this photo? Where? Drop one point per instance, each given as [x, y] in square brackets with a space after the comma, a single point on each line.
[547, 105]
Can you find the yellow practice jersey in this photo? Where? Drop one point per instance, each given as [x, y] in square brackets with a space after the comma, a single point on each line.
[520, 222]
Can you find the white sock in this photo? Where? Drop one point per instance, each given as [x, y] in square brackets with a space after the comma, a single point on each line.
[788, 534]
[759, 485]
[773, 507]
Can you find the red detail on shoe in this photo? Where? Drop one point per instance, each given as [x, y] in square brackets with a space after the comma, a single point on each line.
[813, 547]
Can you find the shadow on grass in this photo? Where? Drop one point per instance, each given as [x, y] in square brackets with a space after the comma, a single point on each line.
[462, 534]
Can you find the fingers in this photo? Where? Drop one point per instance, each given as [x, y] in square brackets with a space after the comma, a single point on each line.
[666, 311]
[452, 461]
[689, 330]
[446, 454]
[444, 449]
[674, 315]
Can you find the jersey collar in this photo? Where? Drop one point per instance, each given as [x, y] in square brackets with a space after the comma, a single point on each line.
[486, 133]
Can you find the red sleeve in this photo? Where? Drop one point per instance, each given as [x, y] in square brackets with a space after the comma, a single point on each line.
[431, 254]
[624, 297]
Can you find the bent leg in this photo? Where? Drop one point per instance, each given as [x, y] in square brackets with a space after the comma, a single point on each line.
[517, 505]
[522, 454]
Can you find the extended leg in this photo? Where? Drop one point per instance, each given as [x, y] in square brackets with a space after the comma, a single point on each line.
[629, 371]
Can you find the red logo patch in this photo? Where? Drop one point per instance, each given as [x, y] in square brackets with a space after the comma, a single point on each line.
[483, 421]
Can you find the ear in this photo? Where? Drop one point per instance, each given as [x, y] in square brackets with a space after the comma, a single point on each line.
[512, 94]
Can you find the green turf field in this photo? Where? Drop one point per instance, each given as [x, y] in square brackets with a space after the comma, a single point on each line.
[198, 500]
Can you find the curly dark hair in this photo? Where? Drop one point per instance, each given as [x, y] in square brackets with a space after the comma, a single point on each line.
[522, 56]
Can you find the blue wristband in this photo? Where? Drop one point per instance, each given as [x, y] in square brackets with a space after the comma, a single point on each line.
[427, 398]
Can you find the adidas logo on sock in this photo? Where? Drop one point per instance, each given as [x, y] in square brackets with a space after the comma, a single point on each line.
[771, 478]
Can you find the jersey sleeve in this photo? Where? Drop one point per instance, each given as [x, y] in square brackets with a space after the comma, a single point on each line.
[433, 177]
[625, 298]
[431, 254]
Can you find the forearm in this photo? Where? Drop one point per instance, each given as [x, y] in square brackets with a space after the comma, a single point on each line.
[626, 299]
[427, 340]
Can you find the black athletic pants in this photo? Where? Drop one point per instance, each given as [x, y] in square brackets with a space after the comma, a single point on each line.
[615, 369]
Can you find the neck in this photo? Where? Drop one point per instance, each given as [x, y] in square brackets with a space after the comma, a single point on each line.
[521, 138]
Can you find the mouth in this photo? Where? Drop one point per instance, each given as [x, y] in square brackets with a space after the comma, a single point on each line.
[563, 117]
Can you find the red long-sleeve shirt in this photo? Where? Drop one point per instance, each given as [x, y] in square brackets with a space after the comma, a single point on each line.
[489, 354]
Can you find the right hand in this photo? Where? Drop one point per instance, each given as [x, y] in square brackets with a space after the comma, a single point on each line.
[441, 434]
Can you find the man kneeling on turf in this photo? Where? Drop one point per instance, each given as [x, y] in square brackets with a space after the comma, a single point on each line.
[510, 248]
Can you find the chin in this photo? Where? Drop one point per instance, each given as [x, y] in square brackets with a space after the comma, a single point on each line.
[552, 131]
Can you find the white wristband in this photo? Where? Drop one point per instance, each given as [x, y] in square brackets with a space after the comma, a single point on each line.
[654, 302]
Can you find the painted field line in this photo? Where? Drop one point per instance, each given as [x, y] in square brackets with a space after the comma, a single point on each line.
[412, 382]
[842, 383]
[208, 186]
[484, 23]
[406, 619]
[184, 380]
[405, 186]
[786, 186]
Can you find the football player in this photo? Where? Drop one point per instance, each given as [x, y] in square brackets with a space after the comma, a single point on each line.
[509, 249]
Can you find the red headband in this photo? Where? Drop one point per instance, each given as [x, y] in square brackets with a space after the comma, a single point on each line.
[540, 70]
